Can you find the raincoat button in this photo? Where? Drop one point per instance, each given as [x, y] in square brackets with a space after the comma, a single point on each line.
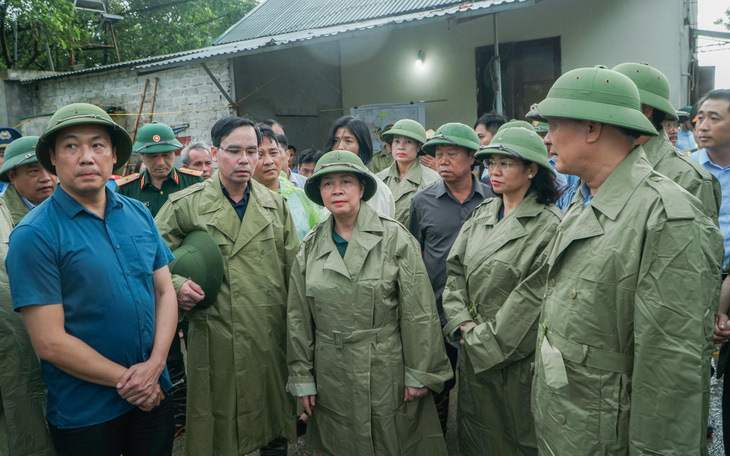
[488, 270]
[560, 418]
[655, 178]
[235, 295]
[572, 293]
[552, 282]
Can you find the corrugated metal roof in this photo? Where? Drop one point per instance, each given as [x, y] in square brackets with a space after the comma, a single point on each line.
[293, 38]
[277, 17]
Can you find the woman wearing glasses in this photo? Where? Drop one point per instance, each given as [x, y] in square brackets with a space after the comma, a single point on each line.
[365, 345]
[493, 294]
[352, 134]
[406, 175]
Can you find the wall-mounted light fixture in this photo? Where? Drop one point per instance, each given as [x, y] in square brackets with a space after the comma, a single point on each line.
[421, 57]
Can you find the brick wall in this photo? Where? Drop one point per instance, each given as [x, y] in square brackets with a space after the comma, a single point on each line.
[185, 88]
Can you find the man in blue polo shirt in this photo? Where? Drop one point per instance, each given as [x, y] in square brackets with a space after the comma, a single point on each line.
[88, 272]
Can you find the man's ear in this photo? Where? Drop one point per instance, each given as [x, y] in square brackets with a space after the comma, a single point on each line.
[593, 130]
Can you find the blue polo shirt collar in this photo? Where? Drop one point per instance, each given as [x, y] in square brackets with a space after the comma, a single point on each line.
[71, 207]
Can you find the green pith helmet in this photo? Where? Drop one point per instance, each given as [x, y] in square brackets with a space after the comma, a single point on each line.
[19, 152]
[517, 142]
[200, 259]
[599, 95]
[405, 127]
[540, 126]
[455, 134]
[515, 123]
[652, 84]
[339, 161]
[155, 138]
[683, 116]
[83, 114]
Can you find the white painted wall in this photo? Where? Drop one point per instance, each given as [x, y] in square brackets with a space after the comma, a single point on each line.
[380, 67]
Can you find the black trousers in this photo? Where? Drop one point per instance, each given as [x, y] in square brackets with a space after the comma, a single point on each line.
[136, 433]
[726, 408]
[442, 399]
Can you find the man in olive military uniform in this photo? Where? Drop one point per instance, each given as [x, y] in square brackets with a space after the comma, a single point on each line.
[7, 135]
[623, 351]
[30, 183]
[156, 146]
[662, 155]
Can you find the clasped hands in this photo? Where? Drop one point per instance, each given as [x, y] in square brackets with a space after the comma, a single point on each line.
[139, 386]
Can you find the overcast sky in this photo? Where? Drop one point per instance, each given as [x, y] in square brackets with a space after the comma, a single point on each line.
[712, 51]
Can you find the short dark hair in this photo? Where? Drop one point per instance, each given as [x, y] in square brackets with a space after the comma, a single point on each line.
[225, 126]
[292, 148]
[657, 117]
[359, 128]
[717, 94]
[309, 156]
[283, 142]
[271, 122]
[491, 121]
[268, 133]
[543, 184]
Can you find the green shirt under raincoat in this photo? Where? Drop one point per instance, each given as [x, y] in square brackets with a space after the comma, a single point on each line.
[236, 367]
[417, 177]
[690, 175]
[15, 204]
[380, 161]
[23, 428]
[304, 212]
[361, 328]
[496, 278]
[623, 359]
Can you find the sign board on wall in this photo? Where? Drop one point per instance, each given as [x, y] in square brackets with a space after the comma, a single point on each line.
[380, 116]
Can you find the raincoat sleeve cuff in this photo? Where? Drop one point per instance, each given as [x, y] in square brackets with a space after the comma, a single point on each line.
[482, 347]
[302, 389]
[456, 321]
[431, 380]
[178, 281]
[413, 381]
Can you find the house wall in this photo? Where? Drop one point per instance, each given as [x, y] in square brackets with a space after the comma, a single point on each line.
[381, 68]
[185, 95]
[300, 87]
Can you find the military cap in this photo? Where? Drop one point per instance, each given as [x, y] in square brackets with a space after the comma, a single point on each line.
[515, 123]
[199, 258]
[155, 138]
[519, 142]
[599, 95]
[455, 134]
[652, 84]
[83, 114]
[8, 135]
[19, 152]
[339, 161]
[405, 127]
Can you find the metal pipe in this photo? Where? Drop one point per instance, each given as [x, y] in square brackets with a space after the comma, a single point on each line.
[48, 53]
[497, 69]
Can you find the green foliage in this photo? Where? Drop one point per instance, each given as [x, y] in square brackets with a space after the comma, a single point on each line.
[149, 28]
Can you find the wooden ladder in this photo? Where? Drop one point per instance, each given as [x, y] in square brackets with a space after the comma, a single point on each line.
[144, 100]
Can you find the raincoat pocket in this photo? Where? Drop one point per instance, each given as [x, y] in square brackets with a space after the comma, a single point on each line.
[609, 407]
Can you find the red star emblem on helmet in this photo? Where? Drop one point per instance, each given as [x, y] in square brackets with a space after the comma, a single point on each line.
[156, 138]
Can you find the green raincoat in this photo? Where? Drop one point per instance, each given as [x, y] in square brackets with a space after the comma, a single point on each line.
[380, 161]
[236, 370]
[623, 360]
[417, 177]
[496, 277]
[361, 328]
[690, 175]
[23, 430]
[15, 204]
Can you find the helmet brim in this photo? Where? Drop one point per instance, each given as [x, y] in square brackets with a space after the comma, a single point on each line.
[619, 116]
[311, 188]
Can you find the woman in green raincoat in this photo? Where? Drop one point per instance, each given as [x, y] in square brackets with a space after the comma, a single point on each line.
[493, 294]
[365, 346]
[406, 175]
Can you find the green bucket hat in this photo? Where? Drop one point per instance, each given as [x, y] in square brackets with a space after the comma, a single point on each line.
[515, 123]
[200, 259]
[518, 142]
[599, 95]
[339, 161]
[405, 127]
[155, 138]
[83, 114]
[652, 84]
[19, 152]
[455, 134]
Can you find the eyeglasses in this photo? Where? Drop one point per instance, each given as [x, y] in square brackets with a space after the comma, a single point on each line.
[504, 165]
[669, 126]
[238, 150]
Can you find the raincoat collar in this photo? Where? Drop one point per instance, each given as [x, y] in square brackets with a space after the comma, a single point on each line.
[620, 185]
[224, 217]
[657, 147]
[365, 236]
[414, 174]
[510, 227]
